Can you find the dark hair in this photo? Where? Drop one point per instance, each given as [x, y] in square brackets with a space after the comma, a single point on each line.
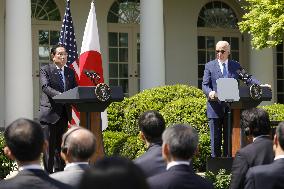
[182, 140]
[255, 122]
[114, 173]
[81, 145]
[280, 134]
[53, 49]
[25, 139]
[152, 124]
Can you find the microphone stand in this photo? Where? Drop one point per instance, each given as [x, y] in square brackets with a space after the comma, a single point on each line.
[229, 125]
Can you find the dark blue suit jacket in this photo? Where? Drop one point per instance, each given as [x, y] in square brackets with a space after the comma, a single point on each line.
[257, 153]
[32, 179]
[212, 72]
[152, 162]
[49, 111]
[269, 176]
[179, 177]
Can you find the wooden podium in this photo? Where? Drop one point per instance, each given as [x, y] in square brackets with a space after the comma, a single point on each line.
[245, 102]
[86, 102]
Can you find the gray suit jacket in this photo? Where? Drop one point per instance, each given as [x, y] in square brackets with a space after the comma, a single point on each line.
[152, 162]
[32, 179]
[71, 175]
[269, 176]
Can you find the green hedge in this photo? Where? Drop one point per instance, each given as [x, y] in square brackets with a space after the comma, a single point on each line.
[275, 111]
[119, 143]
[6, 165]
[187, 110]
[221, 180]
[122, 116]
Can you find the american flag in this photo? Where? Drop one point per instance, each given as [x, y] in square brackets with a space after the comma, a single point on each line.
[68, 39]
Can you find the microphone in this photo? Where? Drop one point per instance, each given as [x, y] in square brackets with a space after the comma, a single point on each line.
[88, 74]
[92, 74]
[243, 75]
[95, 75]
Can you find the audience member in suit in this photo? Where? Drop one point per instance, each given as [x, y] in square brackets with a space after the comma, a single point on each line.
[78, 146]
[255, 122]
[152, 125]
[55, 78]
[24, 143]
[114, 173]
[179, 145]
[221, 67]
[269, 176]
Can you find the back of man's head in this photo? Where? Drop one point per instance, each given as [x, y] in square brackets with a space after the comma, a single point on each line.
[80, 143]
[114, 173]
[255, 122]
[182, 141]
[25, 139]
[152, 125]
[280, 134]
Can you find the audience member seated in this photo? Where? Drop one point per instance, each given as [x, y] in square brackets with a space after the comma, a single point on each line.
[255, 122]
[269, 176]
[151, 124]
[114, 173]
[78, 146]
[25, 143]
[179, 145]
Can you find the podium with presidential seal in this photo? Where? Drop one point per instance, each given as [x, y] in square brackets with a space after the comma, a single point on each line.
[238, 98]
[90, 101]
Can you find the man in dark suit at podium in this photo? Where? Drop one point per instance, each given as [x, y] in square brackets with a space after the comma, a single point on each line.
[255, 122]
[221, 67]
[269, 176]
[55, 78]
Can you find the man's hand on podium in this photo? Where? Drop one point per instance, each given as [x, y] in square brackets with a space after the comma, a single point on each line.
[212, 95]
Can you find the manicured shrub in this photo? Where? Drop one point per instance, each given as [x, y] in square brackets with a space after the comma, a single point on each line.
[133, 147]
[121, 144]
[6, 165]
[187, 110]
[275, 111]
[203, 152]
[124, 114]
[221, 180]
[115, 115]
[113, 142]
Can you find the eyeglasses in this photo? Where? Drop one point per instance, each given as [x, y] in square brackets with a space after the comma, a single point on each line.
[221, 51]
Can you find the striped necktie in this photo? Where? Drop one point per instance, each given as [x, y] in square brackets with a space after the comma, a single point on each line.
[61, 80]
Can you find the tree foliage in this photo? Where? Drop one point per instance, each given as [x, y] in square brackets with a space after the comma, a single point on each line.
[264, 21]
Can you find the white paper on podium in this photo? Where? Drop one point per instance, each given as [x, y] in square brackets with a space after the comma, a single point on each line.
[227, 89]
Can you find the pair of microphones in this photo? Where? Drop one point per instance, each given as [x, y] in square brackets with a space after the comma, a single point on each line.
[92, 74]
[244, 76]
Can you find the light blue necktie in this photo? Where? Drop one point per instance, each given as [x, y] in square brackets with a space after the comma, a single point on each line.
[225, 73]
